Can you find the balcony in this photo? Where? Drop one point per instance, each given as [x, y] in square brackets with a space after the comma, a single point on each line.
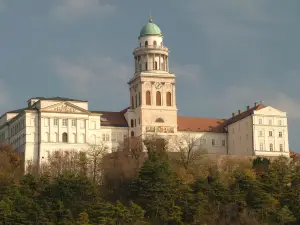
[152, 47]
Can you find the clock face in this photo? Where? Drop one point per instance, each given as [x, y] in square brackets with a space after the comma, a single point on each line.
[157, 85]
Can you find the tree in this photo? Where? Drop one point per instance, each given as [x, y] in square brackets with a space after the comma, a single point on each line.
[95, 154]
[156, 189]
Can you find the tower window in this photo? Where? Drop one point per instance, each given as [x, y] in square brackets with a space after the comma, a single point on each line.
[169, 98]
[140, 102]
[158, 98]
[148, 98]
[136, 100]
[146, 66]
[146, 43]
[155, 65]
[65, 137]
[131, 123]
[154, 43]
[132, 102]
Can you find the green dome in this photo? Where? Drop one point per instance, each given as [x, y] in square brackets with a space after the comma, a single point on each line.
[150, 29]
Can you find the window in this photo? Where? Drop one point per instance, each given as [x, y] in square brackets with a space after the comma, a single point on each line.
[103, 137]
[169, 98]
[155, 65]
[132, 123]
[280, 134]
[46, 137]
[93, 125]
[223, 142]
[55, 122]
[146, 66]
[46, 122]
[213, 142]
[261, 134]
[65, 137]
[135, 122]
[154, 43]
[271, 147]
[132, 134]
[114, 137]
[261, 146]
[140, 102]
[73, 123]
[270, 133]
[65, 122]
[146, 43]
[158, 98]
[82, 124]
[136, 100]
[82, 138]
[281, 147]
[260, 121]
[279, 122]
[270, 122]
[159, 120]
[202, 141]
[132, 102]
[148, 98]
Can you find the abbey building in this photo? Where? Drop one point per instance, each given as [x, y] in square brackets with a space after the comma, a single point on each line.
[50, 124]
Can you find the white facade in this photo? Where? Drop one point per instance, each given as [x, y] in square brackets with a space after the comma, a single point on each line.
[50, 124]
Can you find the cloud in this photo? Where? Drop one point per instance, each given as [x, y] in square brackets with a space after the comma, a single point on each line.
[70, 10]
[94, 76]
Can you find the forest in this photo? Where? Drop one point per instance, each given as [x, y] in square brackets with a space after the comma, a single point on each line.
[144, 183]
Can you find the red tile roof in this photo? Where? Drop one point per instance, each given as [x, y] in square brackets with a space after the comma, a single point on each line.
[200, 124]
[114, 119]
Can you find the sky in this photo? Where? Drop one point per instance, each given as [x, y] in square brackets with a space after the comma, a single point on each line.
[226, 54]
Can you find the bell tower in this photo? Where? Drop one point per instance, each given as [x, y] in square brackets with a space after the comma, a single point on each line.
[152, 88]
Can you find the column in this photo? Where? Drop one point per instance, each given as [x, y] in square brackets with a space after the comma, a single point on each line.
[159, 67]
[167, 64]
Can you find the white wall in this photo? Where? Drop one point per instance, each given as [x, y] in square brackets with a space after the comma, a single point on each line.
[240, 137]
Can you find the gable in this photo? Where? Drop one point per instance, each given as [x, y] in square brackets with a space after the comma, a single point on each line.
[64, 107]
[270, 111]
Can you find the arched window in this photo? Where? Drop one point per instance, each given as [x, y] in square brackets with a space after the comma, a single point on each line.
[146, 43]
[169, 98]
[132, 134]
[154, 43]
[261, 146]
[155, 65]
[159, 120]
[65, 137]
[146, 66]
[136, 100]
[158, 98]
[148, 98]
[132, 123]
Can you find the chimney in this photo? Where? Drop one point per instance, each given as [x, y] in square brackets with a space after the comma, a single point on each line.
[248, 107]
[239, 111]
[255, 104]
[233, 114]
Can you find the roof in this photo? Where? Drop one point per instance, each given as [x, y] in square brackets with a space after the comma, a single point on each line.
[243, 114]
[294, 154]
[150, 29]
[114, 119]
[59, 99]
[17, 110]
[200, 124]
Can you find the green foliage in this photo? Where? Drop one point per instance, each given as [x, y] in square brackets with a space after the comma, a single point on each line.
[153, 195]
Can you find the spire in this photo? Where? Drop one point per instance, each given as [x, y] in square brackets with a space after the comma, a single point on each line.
[150, 18]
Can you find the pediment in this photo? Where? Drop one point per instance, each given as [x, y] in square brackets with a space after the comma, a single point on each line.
[64, 107]
[270, 111]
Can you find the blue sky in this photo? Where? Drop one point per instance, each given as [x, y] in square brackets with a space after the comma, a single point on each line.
[226, 54]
